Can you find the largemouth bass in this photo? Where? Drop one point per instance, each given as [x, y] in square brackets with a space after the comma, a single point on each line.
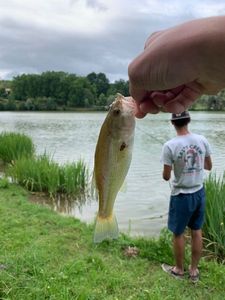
[112, 160]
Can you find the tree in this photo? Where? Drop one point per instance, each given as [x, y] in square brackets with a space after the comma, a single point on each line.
[110, 99]
[119, 86]
[10, 105]
[102, 100]
[2, 92]
[29, 105]
[2, 107]
[100, 81]
[20, 87]
[51, 104]
[81, 91]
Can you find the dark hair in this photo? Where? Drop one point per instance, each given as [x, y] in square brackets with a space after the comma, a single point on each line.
[181, 122]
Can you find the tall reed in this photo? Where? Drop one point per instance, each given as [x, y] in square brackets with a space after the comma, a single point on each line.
[42, 174]
[73, 177]
[214, 226]
[36, 173]
[14, 146]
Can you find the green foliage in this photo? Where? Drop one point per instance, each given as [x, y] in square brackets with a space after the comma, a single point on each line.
[102, 100]
[14, 146]
[81, 93]
[42, 174]
[119, 86]
[100, 82]
[5, 84]
[10, 105]
[73, 178]
[210, 102]
[4, 182]
[36, 173]
[214, 226]
[2, 92]
[56, 90]
[59, 90]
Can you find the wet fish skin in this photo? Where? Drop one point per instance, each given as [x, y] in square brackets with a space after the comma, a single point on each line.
[112, 160]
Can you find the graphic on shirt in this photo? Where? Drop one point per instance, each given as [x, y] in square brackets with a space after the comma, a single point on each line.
[191, 155]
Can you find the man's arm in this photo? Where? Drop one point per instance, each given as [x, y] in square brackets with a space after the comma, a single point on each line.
[167, 172]
[197, 48]
[208, 163]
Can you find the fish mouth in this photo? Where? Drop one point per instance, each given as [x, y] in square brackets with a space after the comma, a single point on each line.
[131, 104]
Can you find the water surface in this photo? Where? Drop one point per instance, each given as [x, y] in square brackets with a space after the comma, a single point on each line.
[142, 209]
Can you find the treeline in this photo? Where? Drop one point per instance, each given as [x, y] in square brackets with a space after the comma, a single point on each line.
[211, 102]
[59, 91]
[63, 91]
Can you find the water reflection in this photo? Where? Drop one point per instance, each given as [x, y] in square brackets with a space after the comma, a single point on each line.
[60, 203]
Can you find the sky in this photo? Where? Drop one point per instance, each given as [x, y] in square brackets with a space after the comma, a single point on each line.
[84, 36]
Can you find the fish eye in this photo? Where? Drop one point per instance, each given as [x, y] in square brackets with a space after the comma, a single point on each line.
[116, 111]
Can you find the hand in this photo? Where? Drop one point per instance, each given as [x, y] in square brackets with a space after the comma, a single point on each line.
[178, 65]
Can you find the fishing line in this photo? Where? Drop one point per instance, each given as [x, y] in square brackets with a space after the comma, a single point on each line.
[150, 135]
[157, 140]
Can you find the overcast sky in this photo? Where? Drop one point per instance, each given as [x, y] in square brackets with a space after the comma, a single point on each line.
[81, 36]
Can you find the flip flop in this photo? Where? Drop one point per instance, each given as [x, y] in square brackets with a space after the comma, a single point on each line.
[194, 278]
[169, 269]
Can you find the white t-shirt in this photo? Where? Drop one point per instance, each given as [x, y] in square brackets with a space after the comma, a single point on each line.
[186, 153]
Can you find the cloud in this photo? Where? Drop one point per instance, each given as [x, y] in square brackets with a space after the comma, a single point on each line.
[78, 36]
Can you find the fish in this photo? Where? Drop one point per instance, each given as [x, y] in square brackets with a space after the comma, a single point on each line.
[112, 160]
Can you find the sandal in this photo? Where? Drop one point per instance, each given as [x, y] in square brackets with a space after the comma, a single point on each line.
[169, 269]
[194, 278]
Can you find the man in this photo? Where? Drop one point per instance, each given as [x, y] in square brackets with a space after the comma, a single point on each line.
[188, 154]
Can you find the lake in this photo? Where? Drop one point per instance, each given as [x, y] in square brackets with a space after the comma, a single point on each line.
[142, 208]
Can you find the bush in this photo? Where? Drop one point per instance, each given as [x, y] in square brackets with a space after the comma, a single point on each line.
[14, 146]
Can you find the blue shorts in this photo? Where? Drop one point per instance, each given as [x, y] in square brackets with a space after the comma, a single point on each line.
[186, 210]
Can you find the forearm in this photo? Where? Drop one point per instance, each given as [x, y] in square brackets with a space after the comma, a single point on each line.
[166, 172]
[208, 163]
[213, 54]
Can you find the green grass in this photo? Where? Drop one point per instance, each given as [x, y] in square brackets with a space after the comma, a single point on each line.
[46, 256]
[14, 146]
[42, 174]
[214, 226]
[73, 178]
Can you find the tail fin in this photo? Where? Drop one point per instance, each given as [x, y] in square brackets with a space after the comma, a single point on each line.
[105, 228]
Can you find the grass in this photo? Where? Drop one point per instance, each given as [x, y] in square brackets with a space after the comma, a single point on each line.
[47, 256]
[73, 178]
[14, 146]
[214, 226]
[42, 174]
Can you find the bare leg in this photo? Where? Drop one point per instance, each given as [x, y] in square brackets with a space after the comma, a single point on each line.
[196, 250]
[178, 246]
